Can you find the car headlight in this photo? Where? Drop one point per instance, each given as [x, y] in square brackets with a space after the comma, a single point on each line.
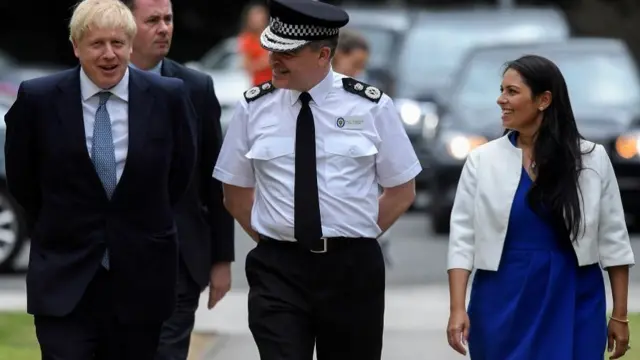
[460, 146]
[628, 145]
[410, 112]
[413, 113]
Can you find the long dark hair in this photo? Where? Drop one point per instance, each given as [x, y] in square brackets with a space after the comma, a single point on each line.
[557, 152]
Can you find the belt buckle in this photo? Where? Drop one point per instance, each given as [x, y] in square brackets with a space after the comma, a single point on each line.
[324, 247]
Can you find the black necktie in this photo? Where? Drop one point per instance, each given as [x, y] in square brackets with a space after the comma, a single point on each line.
[306, 204]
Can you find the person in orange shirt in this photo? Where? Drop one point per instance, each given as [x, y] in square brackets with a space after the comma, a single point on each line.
[256, 58]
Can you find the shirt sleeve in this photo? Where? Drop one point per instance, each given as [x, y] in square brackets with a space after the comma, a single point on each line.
[233, 167]
[396, 162]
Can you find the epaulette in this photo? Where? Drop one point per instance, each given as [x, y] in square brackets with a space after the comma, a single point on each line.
[359, 88]
[258, 91]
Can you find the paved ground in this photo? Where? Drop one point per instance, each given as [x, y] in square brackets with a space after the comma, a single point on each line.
[417, 299]
[415, 321]
[395, 347]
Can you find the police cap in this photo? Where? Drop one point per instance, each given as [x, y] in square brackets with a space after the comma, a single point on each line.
[295, 23]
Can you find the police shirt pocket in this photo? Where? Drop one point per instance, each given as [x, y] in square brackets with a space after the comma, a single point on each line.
[274, 164]
[350, 165]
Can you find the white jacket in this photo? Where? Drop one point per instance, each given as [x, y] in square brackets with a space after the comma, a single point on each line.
[486, 189]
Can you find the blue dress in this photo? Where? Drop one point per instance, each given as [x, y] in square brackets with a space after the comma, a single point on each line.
[539, 305]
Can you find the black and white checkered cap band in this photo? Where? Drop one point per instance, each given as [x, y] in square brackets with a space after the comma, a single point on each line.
[279, 36]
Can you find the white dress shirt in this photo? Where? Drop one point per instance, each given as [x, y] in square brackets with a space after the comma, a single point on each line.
[482, 206]
[154, 70]
[118, 108]
[371, 148]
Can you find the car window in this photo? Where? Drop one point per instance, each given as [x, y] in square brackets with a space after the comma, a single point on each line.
[6, 61]
[228, 60]
[433, 51]
[593, 78]
[16, 76]
[223, 56]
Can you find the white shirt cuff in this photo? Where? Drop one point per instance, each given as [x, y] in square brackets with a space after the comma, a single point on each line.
[235, 180]
[402, 178]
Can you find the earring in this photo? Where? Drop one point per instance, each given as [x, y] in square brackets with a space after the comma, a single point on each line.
[541, 109]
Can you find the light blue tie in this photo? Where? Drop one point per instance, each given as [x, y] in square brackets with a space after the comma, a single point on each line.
[103, 153]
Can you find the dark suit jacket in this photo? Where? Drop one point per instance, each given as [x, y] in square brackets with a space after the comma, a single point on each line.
[51, 175]
[205, 228]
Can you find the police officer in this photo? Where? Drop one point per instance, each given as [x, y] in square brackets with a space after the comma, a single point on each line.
[300, 165]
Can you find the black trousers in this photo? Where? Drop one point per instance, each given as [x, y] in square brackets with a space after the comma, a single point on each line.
[298, 299]
[92, 330]
[175, 336]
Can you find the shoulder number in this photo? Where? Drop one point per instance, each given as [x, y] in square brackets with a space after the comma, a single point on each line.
[258, 91]
[359, 88]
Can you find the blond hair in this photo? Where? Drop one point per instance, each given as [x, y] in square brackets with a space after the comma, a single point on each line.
[104, 14]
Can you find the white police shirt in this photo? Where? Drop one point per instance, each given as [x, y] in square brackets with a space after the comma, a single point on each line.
[360, 143]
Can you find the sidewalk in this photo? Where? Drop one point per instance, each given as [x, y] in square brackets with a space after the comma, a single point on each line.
[420, 308]
[405, 345]
[415, 322]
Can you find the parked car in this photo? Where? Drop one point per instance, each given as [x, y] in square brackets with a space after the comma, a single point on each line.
[17, 73]
[224, 64]
[604, 87]
[384, 28]
[13, 234]
[435, 46]
[12, 221]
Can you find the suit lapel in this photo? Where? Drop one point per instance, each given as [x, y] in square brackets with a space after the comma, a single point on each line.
[167, 68]
[140, 104]
[69, 108]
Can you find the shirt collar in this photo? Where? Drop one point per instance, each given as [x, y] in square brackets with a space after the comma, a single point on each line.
[156, 69]
[318, 93]
[88, 88]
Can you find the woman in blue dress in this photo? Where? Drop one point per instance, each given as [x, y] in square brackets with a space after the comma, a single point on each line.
[537, 214]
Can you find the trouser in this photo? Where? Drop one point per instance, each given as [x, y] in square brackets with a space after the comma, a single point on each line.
[92, 331]
[175, 336]
[333, 301]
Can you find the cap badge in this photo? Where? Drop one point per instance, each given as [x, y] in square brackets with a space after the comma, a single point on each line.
[276, 25]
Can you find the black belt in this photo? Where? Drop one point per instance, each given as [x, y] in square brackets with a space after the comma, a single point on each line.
[321, 245]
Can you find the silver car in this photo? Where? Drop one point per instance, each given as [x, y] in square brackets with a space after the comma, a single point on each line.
[12, 222]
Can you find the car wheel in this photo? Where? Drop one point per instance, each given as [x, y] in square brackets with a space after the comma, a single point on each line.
[11, 231]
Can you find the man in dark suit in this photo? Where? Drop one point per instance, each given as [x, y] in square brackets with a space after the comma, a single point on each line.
[205, 228]
[98, 156]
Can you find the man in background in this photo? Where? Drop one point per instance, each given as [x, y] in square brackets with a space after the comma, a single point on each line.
[255, 58]
[352, 54]
[205, 229]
